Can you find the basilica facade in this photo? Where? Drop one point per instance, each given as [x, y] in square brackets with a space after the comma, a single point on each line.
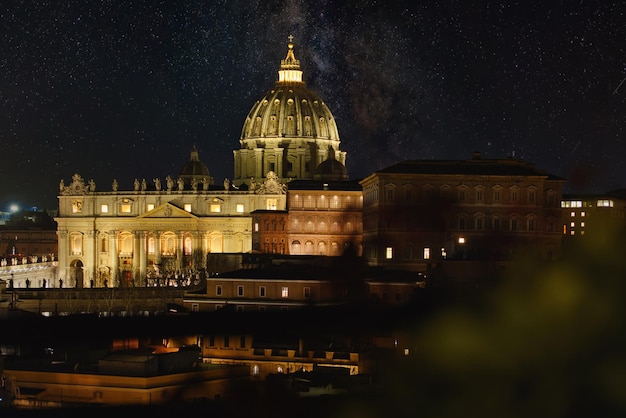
[163, 229]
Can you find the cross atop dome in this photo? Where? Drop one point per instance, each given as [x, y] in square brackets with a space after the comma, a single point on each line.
[290, 72]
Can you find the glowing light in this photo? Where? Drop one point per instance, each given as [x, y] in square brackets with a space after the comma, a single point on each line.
[14, 208]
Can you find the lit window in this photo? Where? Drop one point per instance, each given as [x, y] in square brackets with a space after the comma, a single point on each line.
[104, 208]
[572, 233]
[582, 224]
[256, 227]
[572, 214]
[582, 214]
[285, 292]
[216, 208]
[461, 240]
[187, 207]
[239, 207]
[150, 206]
[389, 253]
[125, 207]
[406, 351]
[271, 204]
[426, 253]
[255, 370]
[572, 224]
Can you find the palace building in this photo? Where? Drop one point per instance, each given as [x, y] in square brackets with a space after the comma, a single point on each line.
[417, 214]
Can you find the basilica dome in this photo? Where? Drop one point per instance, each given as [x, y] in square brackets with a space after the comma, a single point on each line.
[288, 131]
[331, 169]
[195, 169]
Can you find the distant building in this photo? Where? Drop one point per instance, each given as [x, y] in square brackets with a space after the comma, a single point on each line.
[589, 214]
[419, 213]
[323, 218]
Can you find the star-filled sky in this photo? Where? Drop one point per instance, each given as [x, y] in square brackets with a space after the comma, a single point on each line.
[124, 89]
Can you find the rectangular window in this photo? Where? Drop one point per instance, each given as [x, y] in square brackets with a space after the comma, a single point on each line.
[195, 307]
[240, 208]
[389, 194]
[211, 340]
[426, 253]
[496, 196]
[125, 207]
[256, 227]
[218, 290]
[150, 206]
[513, 224]
[239, 290]
[104, 208]
[284, 292]
[262, 291]
[215, 208]
[531, 197]
[461, 195]
[572, 214]
[242, 341]
[306, 292]
[187, 207]
[479, 224]
[479, 195]
[513, 196]
[389, 253]
[271, 204]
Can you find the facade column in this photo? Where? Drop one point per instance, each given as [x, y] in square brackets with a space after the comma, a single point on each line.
[258, 160]
[115, 259]
[89, 268]
[157, 247]
[143, 257]
[62, 257]
[278, 153]
[180, 251]
[196, 248]
[301, 163]
[136, 255]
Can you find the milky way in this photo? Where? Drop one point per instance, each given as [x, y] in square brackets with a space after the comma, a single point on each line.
[125, 89]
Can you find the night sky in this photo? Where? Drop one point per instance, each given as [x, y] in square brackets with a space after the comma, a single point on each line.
[125, 89]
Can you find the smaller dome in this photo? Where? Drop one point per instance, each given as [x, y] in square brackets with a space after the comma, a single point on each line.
[331, 169]
[194, 168]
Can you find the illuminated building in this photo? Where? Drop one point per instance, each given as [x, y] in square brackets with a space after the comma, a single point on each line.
[289, 131]
[124, 237]
[418, 213]
[589, 214]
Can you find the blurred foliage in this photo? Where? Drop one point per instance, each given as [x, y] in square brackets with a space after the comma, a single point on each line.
[549, 341]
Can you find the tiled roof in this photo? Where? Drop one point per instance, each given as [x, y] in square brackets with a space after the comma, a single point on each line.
[477, 167]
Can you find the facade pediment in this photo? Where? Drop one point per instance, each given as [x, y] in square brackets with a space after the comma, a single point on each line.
[167, 210]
